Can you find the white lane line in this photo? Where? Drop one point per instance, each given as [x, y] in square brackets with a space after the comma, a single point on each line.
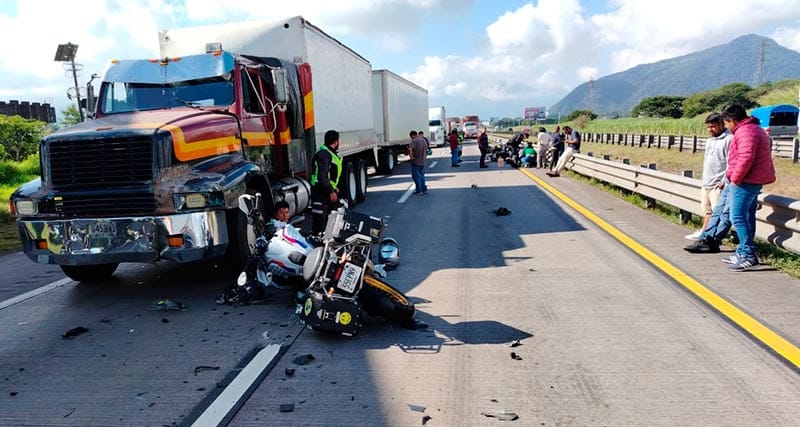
[433, 163]
[34, 293]
[239, 388]
[406, 195]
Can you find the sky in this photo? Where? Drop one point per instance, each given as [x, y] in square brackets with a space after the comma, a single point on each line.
[491, 58]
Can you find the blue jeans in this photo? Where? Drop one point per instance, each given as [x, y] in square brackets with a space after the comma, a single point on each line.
[744, 201]
[720, 222]
[418, 175]
[453, 157]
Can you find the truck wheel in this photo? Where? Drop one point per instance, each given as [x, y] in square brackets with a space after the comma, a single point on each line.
[387, 160]
[89, 273]
[348, 178]
[361, 180]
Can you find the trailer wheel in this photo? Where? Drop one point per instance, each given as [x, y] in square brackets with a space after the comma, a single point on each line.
[361, 180]
[89, 273]
[348, 178]
[387, 160]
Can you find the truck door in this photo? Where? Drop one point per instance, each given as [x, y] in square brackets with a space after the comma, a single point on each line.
[258, 125]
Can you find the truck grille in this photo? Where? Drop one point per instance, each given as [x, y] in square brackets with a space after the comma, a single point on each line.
[108, 163]
[102, 178]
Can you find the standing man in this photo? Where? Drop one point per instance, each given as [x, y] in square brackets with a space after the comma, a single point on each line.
[454, 142]
[422, 135]
[573, 141]
[543, 139]
[483, 146]
[557, 146]
[749, 168]
[418, 151]
[327, 167]
[715, 161]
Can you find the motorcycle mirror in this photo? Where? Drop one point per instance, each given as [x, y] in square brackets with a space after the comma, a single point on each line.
[246, 203]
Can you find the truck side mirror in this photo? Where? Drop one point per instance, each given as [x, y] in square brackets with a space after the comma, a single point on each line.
[281, 85]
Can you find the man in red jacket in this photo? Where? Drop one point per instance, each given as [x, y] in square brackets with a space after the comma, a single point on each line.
[749, 168]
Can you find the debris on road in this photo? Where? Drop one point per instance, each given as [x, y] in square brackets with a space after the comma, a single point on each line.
[205, 368]
[515, 343]
[74, 332]
[289, 372]
[515, 356]
[425, 419]
[416, 408]
[501, 415]
[304, 359]
[287, 407]
[71, 410]
[473, 186]
[501, 211]
[167, 305]
[164, 320]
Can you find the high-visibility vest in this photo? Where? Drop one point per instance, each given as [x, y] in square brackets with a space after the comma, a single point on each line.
[336, 161]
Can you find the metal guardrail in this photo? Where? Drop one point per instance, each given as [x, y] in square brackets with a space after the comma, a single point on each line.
[786, 147]
[777, 219]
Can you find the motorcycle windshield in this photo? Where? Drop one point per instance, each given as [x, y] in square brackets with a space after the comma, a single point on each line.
[292, 235]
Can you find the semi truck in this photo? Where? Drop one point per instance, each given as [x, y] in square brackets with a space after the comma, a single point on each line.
[469, 125]
[399, 107]
[437, 126]
[225, 110]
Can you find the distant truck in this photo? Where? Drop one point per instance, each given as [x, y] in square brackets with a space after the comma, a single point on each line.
[470, 125]
[437, 126]
[228, 109]
[399, 107]
[779, 121]
[453, 123]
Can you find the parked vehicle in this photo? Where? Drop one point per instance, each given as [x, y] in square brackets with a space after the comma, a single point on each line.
[399, 107]
[332, 282]
[437, 126]
[469, 125]
[231, 109]
[778, 120]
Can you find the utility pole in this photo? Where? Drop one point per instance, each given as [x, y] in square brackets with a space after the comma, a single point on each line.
[66, 53]
[761, 60]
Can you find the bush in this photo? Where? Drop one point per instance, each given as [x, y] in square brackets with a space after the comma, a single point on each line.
[19, 137]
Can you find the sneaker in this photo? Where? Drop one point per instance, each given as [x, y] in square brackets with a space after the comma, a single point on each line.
[731, 259]
[744, 265]
[694, 236]
[703, 247]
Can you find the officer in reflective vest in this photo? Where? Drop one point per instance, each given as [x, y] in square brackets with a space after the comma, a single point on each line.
[327, 167]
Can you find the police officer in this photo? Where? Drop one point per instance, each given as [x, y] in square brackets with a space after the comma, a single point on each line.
[327, 167]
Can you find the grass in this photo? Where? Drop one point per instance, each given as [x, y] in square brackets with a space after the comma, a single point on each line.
[12, 175]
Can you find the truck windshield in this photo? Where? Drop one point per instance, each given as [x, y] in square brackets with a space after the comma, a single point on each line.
[119, 97]
[435, 123]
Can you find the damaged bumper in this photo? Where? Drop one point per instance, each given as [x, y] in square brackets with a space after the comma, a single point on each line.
[194, 236]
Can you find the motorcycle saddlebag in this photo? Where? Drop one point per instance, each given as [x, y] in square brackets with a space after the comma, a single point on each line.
[329, 313]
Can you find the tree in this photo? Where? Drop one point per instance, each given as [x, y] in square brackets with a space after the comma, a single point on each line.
[660, 106]
[70, 116]
[20, 137]
[715, 100]
[577, 113]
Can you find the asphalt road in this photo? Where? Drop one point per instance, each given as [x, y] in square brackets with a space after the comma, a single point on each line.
[605, 334]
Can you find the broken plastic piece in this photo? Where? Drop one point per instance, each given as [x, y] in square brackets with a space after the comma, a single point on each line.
[416, 408]
[167, 305]
[501, 415]
[289, 372]
[425, 419]
[287, 407]
[515, 344]
[515, 356]
[74, 332]
[205, 368]
[304, 359]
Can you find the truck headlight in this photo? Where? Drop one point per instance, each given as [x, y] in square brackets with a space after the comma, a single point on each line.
[25, 207]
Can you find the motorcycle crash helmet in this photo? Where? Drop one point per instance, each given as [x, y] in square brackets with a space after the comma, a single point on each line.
[389, 253]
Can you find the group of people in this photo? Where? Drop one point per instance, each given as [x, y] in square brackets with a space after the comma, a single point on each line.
[552, 150]
[737, 164]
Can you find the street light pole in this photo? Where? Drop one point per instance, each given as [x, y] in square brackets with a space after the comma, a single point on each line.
[77, 89]
[66, 53]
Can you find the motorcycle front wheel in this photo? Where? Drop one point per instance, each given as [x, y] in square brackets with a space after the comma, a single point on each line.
[381, 299]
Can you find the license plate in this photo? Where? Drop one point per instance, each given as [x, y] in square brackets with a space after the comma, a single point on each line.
[351, 274]
[102, 230]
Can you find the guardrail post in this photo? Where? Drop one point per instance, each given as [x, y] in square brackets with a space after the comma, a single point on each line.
[606, 157]
[795, 148]
[649, 202]
[626, 161]
[649, 141]
[619, 138]
[641, 140]
[694, 144]
[686, 216]
[680, 144]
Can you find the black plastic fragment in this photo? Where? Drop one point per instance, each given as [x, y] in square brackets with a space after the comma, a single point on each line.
[74, 332]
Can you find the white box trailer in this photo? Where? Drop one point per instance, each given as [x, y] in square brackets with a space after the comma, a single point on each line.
[437, 126]
[341, 78]
[399, 106]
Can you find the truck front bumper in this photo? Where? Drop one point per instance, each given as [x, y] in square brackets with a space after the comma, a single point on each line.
[110, 240]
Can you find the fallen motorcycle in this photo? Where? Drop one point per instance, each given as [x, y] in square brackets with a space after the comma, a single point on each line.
[333, 282]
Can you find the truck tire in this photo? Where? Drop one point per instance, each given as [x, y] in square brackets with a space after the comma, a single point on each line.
[348, 182]
[242, 235]
[361, 180]
[89, 273]
[387, 160]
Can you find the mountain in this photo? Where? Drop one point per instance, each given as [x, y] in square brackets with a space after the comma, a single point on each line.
[749, 59]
